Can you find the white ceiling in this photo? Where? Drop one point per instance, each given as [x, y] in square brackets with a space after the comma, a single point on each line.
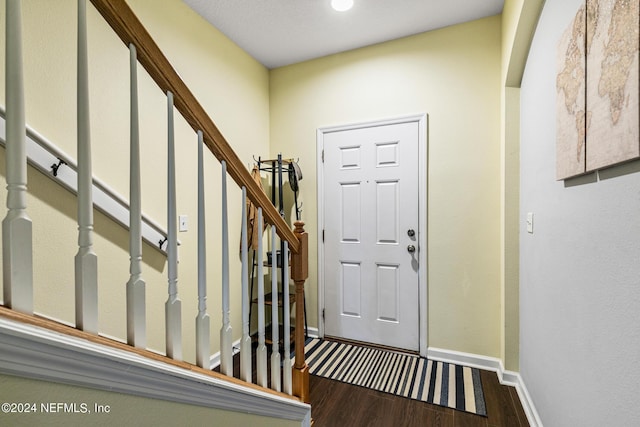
[283, 32]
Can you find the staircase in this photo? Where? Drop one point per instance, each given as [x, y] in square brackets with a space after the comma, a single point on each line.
[40, 347]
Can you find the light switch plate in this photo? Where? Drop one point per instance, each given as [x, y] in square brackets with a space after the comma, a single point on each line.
[183, 223]
[530, 222]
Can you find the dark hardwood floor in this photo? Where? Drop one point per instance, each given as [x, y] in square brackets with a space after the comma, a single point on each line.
[336, 404]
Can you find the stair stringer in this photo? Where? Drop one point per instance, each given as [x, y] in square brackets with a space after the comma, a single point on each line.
[39, 353]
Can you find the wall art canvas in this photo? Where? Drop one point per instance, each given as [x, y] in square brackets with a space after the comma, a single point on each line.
[613, 84]
[598, 88]
[571, 99]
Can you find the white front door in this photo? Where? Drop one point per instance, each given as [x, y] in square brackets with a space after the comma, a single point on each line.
[371, 229]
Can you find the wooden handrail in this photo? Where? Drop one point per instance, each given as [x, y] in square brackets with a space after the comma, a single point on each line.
[130, 30]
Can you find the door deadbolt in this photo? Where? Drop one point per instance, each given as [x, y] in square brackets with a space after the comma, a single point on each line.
[411, 232]
[411, 249]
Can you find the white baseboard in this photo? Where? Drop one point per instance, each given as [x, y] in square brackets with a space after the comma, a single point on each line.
[493, 364]
[466, 359]
[313, 332]
[527, 404]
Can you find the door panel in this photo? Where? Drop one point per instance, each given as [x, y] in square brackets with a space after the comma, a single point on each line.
[387, 212]
[371, 288]
[387, 279]
[350, 212]
[351, 289]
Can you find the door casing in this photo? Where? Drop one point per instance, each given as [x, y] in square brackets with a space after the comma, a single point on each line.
[422, 120]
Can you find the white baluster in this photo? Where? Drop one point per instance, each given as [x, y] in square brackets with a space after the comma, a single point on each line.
[226, 337]
[86, 261]
[286, 363]
[261, 352]
[245, 343]
[202, 320]
[136, 322]
[275, 350]
[173, 306]
[17, 255]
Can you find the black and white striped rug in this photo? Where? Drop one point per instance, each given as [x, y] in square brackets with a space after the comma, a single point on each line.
[411, 376]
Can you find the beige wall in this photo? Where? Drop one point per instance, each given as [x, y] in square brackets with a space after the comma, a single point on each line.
[124, 409]
[232, 87]
[453, 75]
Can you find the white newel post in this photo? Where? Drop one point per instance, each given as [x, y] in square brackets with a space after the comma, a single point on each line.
[245, 343]
[286, 362]
[17, 253]
[226, 344]
[202, 320]
[173, 306]
[261, 352]
[136, 322]
[86, 261]
[275, 338]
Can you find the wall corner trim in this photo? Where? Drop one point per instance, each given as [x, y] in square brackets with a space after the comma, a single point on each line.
[509, 378]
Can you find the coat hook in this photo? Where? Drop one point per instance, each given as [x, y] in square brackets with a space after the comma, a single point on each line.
[162, 242]
[299, 211]
[55, 167]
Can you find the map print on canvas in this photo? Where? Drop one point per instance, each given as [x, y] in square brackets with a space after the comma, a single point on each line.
[571, 103]
[598, 88]
[612, 82]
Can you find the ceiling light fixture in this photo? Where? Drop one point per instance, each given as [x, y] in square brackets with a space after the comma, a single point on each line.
[341, 5]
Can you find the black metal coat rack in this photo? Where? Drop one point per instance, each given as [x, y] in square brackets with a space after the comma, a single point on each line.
[275, 168]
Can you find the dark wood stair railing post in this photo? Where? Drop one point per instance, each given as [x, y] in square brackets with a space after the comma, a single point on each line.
[299, 274]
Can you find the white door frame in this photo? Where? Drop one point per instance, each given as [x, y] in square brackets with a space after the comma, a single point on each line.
[423, 305]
